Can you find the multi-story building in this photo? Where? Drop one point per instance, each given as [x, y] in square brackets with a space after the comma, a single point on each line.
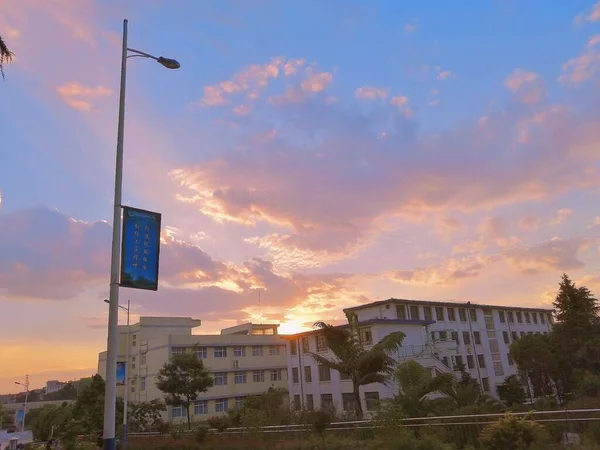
[54, 386]
[442, 336]
[243, 360]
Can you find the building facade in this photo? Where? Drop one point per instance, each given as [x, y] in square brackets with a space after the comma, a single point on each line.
[243, 360]
[441, 336]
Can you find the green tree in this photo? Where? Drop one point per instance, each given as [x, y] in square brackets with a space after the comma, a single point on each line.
[6, 56]
[49, 420]
[513, 433]
[536, 361]
[183, 379]
[88, 410]
[145, 415]
[68, 392]
[511, 391]
[352, 356]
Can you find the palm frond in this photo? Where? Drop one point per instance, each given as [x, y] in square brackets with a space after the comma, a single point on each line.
[327, 362]
[391, 342]
[6, 56]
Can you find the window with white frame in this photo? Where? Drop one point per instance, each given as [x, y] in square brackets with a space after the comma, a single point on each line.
[305, 345]
[177, 412]
[177, 351]
[133, 362]
[274, 350]
[239, 351]
[200, 407]
[134, 340]
[324, 373]
[221, 405]
[220, 378]
[220, 352]
[143, 360]
[321, 343]
[258, 376]
[257, 350]
[240, 377]
[201, 352]
[275, 375]
[142, 383]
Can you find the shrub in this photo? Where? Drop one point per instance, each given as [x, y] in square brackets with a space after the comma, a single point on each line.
[320, 420]
[513, 433]
[200, 434]
[219, 423]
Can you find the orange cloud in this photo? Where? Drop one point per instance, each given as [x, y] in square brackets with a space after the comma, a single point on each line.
[561, 216]
[81, 97]
[529, 222]
[316, 81]
[553, 255]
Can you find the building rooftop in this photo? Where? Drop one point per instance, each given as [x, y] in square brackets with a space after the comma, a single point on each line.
[365, 323]
[402, 301]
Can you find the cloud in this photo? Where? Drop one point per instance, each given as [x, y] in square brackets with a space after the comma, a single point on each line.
[370, 93]
[443, 74]
[583, 67]
[592, 16]
[82, 97]
[529, 222]
[561, 216]
[316, 81]
[554, 255]
[410, 28]
[527, 86]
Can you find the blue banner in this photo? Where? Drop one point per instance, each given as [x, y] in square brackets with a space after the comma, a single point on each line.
[140, 249]
[121, 365]
[20, 415]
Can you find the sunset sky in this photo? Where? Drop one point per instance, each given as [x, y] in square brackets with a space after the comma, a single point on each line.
[324, 153]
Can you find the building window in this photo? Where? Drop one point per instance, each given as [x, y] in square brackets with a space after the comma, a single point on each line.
[506, 337]
[258, 376]
[414, 312]
[511, 318]
[485, 383]
[221, 405]
[201, 352]
[498, 369]
[534, 317]
[308, 374]
[427, 311]
[514, 335]
[239, 402]
[220, 352]
[324, 373]
[133, 362]
[455, 337]
[142, 383]
[305, 345]
[542, 318]
[177, 351]
[143, 360]
[133, 389]
[443, 335]
[445, 361]
[451, 315]
[239, 351]
[310, 403]
[200, 407]
[481, 361]
[344, 376]
[477, 337]
[458, 362]
[519, 317]
[466, 338]
[133, 340]
[275, 375]
[439, 313]
[297, 405]
[365, 336]
[274, 350]
[401, 312]
[502, 316]
[293, 348]
[220, 378]
[510, 360]
[240, 378]
[177, 412]
[326, 401]
[321, 344]
[257, 350]
[348, 402]
[295, 375]
[473, 314]
[470, 362]
[462, 315]
[372, 400]
[527, 317]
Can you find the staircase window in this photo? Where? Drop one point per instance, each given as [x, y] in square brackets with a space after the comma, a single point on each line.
[401, 312]
[439, 313]
[427, 311]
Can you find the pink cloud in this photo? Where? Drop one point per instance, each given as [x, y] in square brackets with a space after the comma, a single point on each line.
[526, 85]
[82, 97]
[529, 222]
[554, 255]
[370, 93]
[316, 81]
[561, 216]
[583, 67]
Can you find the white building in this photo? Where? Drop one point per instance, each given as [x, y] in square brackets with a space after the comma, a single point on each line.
[54, 386]
[441, 336]
[243, 360]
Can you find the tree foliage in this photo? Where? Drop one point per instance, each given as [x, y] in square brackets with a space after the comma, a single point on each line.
[6, 56]
[146, 416]
[88, 410]
[352, 357]
[511, 391]
[183, 379]
[513, 433]
[536, 360]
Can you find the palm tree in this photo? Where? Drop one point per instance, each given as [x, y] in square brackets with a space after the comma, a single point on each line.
[6, 56]
[351, 357]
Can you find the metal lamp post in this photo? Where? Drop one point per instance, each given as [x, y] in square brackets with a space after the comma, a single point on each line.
[126, 391]
[113, 310]
[26, 386]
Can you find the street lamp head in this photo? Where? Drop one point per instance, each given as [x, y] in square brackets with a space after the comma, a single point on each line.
[168, 62]
[106, 300]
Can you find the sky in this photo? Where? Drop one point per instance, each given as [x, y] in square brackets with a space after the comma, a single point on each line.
[307, 156]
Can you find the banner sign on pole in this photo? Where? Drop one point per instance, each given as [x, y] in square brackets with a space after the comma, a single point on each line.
[121, 373]
[140, 249]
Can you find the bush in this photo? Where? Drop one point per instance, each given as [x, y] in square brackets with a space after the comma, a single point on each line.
[513, 433]
[219, 423]
[200, 434]
[320, 420]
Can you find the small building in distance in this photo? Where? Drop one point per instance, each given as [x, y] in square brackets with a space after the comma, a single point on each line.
[244, 360]
[441, 336]
[54, 386]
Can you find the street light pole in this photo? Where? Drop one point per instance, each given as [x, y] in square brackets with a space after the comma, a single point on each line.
[126, 393]
[26, 386]
[112, 346]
